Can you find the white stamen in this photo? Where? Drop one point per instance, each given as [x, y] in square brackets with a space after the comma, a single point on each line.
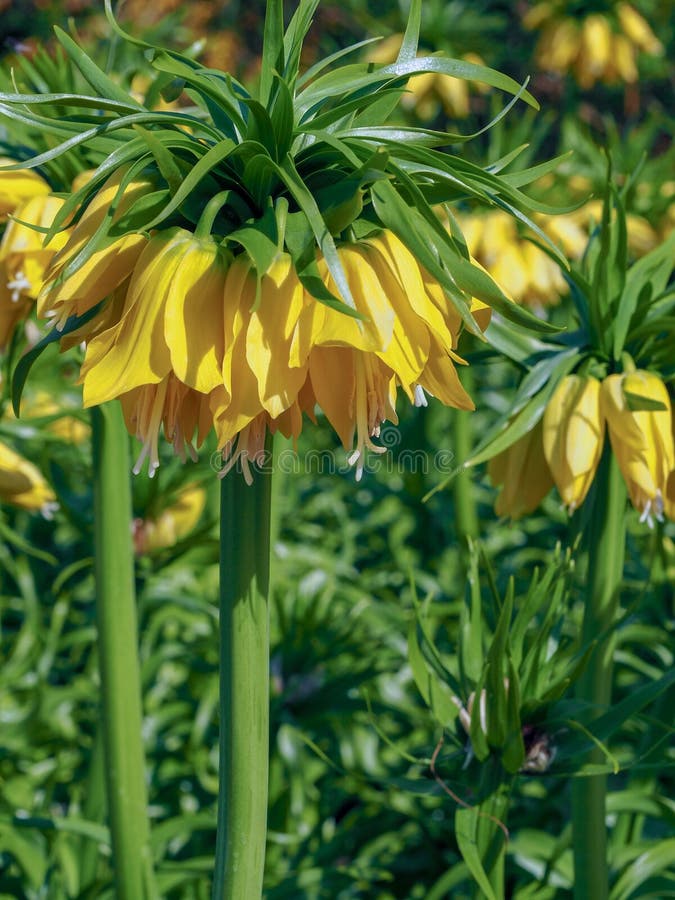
[357, 457]
[18, 284]
[48, 509]
[420, 396]
[646, 514]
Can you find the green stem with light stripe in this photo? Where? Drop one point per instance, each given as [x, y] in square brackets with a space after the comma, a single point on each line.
[245, 517]
[118, 659]
[605, 542]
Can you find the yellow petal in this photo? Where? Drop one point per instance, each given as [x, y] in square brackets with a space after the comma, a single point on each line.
[440, 379]
[642, 440]
[21, 483]
[269, 336]
[573, 436]
[18, 186]
[134, 352]
[523, 472]
[331, 370]
[193, 320]
[376, 331]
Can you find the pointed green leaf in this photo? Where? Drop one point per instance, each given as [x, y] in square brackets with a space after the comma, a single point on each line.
[91, 72]
[466, 832]
[25, 364]
[273, 47]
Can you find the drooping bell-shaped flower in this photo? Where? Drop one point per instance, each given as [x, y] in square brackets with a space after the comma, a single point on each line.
[22, 484]
[637, 30]
[523, 474]
[24, 258]
[642, 439]
[573, 436]
[17, 186]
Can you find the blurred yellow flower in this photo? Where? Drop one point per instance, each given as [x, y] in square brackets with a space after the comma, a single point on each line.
[595, 50]
[640, 234]
[523, 474]
[18, 186]
[642, 440]
[22, 484]
[573, 436]
[429, 93]
[599, 47]
[523, 271]
[173, 523]
[637, 30]
[24, 258]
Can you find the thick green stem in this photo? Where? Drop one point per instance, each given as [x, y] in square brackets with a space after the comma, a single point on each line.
[605, 542]
[491, 837]
[491, 834]
[118, 658]
[244, 687]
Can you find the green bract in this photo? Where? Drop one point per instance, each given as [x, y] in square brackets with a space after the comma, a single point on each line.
[296, 164]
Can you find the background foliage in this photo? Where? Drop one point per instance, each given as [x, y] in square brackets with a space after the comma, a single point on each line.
[361, 570]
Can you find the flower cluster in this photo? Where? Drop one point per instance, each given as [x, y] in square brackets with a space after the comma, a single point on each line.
[527, 273]
[565, 446]
[189, 336]
[235, 264]
[598, 47]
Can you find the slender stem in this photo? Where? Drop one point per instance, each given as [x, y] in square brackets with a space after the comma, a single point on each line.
[118, 658]
[244, 687]
[466, 514]
[605, 540]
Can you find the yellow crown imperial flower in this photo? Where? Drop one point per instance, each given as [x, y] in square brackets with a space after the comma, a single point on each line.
[573, 436]
[642, 439]
[622, 65]
[17, 186]
[24, 255]
[22, 484]
[274, 343]
[523, 473]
